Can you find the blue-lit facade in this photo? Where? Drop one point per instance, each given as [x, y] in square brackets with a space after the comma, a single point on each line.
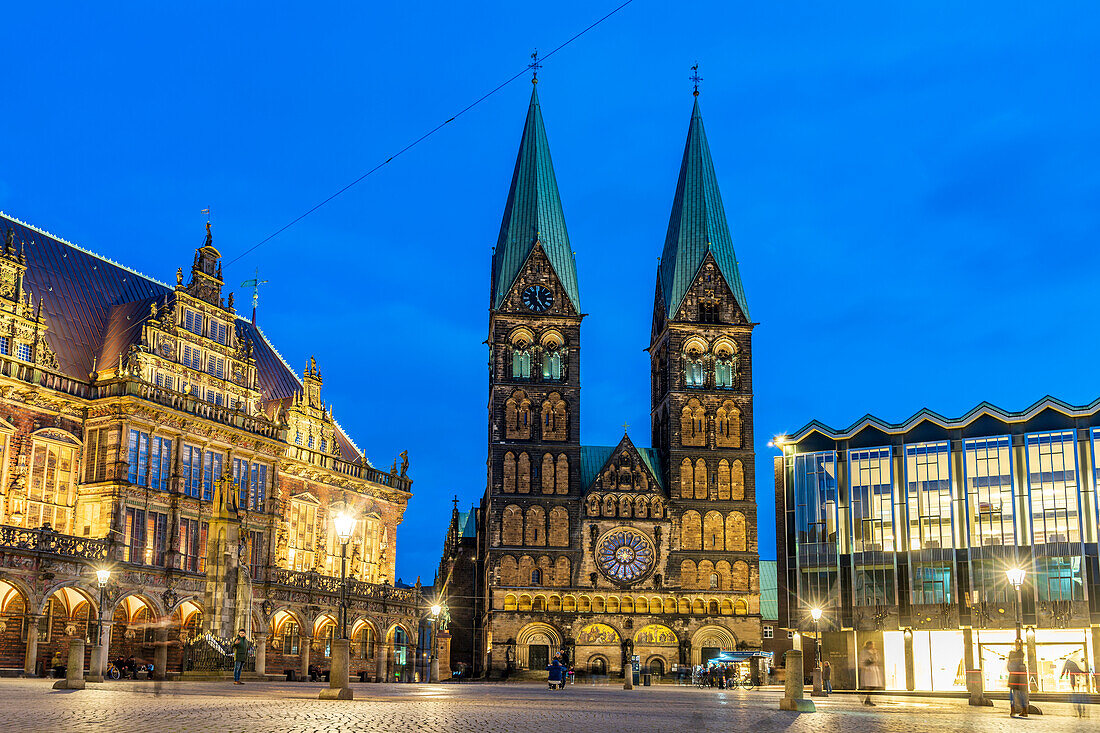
[902, 535]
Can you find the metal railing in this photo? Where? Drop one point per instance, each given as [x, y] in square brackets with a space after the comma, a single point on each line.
[53, 543]
[209, 653]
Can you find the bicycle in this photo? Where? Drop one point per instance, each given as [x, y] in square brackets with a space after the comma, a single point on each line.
[743, 682]
[112, 671]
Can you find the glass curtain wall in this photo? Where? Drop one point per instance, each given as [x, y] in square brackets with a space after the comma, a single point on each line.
[990, 516]
[816, 499]
[870, 475]
[931, 514]
[1053, 488]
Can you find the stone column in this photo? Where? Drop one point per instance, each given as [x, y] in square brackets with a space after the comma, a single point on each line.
[794, 692]
[380, 660]
[160, 654]
[305, 642]
[910, 683]
[1095, 631]
[74, 674]
[30, 658]
[445, 654]
[261, 654]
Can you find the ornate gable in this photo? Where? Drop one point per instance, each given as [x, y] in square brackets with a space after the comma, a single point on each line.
[538, 271]
[709, 298]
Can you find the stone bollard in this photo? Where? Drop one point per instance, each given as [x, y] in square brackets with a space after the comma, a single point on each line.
[74, 675]
[794, 692]
[96, 665]
[338, 687]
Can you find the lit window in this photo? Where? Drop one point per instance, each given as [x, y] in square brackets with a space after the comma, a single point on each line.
[298, 438]
[769, 632]
[5, 345]
[324, 445]
[551, 364]
[521, 362]
[23, 352]
[536, 577]
[714, 580]
[790, 634]
[310, 441]
[693, 369]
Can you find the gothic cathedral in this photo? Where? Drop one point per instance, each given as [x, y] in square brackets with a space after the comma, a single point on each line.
[601, 553]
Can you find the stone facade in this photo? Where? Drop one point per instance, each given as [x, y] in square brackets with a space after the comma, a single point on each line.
[149, 430]
[601, 553]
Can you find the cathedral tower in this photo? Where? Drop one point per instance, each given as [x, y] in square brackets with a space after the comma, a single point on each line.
[532, 497]
[701, 371]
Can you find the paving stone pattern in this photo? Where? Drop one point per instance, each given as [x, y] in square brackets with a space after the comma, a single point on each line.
[31, 705]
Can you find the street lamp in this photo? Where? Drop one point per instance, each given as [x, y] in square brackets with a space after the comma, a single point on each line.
[1016, 577]
[102, 576]
[344, 524]
[433, 658]
[815, 614]
[339, 674]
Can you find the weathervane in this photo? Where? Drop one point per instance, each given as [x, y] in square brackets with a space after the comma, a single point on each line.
[534, 66]
[695, 78]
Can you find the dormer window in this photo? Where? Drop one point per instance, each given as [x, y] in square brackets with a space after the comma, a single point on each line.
[192, 321]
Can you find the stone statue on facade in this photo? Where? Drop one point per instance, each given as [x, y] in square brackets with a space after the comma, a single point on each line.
[179, 276]
[404, 462]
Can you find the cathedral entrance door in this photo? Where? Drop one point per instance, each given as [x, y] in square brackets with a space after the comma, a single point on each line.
[708, 653]
[538, 656]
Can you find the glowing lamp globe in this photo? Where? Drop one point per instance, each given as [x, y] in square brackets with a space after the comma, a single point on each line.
[344, 524]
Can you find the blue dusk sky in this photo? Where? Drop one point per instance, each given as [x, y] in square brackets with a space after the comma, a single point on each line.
[913, 190]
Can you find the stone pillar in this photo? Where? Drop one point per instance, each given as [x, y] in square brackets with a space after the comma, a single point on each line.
[380, 661]
[910, 674]
[1095, 631]
[306, 642]
[338, 687]
[74, 675]
[30, 656]
[261, 654]
[975, 680]
[160, 654]
[794, 693]
[445, 654]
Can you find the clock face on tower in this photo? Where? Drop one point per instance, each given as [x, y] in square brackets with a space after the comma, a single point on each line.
[537, 298]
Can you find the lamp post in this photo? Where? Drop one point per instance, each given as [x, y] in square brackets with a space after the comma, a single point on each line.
[1016, 577]
[433, 657]
[815, 614]
[98, 652]
[339, 675]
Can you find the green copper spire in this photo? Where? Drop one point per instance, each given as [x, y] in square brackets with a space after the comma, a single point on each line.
[697, 225]
[533, 212]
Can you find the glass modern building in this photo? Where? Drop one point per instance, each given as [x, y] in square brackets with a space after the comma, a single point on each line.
[902, 535]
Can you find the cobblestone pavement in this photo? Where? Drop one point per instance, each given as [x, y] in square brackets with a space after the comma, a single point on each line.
[31, 705]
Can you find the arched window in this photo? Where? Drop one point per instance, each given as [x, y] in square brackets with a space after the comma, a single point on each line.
[559, 527]
[509, 473]
[512, 526]
[687, 574]
[547, 473]
[536, 577]
[694, 375]
[727, 422]
[736, 539]
[521, 361]
[723, 480]
[517, 416]
[535, 535]
[691, 531]
[561, 482]
[693, 423]
[700, 478]
[708, 311]
[554, 418]
[713, 532]
[551, 363]
[714, 580]
[738, 481]
[687, 489]
[725, 366]
[523, 474]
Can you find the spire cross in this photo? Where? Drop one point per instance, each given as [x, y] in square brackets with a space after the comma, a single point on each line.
[626, 426]
[534, 66]
[695, 78]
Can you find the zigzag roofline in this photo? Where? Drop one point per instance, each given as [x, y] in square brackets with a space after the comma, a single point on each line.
[984, 409]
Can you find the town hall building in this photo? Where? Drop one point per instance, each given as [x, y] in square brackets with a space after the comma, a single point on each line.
[604, 553]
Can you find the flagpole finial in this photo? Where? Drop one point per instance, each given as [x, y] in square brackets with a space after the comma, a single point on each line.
[534, 66]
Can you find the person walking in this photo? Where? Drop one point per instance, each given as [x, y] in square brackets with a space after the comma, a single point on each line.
[1017, 682]
[870, 673]
[1076, 675]
[827, 678]
[240, 656]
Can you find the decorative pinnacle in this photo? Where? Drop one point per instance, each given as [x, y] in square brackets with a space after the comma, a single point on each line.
[534, 66]
[695, 79]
